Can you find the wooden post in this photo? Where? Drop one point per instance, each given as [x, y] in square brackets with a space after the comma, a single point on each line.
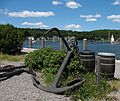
[97, 69]
[85, 44]
[0, 64]
[42, 42]
[61, 44]
[30, 42]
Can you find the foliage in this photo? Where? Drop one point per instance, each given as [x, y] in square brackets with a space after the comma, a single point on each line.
[89, 89]
[11, 39]
[95, 35]
[90, 35]
[73, 70]
[48, 61]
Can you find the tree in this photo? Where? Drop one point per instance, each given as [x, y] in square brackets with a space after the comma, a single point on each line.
[11, 39]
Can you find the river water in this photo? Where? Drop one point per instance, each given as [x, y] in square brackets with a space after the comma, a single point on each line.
[93, 46]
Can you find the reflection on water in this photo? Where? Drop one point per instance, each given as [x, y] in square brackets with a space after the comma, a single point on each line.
[94, 46]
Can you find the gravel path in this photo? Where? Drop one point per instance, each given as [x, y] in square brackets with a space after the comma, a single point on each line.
[115, 95]
[21, 88]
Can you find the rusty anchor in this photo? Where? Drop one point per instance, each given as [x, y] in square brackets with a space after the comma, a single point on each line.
[54, 86]
[8, 72]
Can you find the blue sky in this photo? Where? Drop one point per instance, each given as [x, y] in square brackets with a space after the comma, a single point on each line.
[80, 15]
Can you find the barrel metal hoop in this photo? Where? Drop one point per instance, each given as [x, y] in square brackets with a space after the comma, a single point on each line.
[88, 59]
[82, 55]
[107, 64]
[103, 58]
[106, 73]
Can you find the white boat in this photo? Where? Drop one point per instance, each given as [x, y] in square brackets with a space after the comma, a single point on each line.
[112, 39]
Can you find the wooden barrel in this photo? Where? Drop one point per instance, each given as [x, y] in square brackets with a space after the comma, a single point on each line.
[107, 64]
[88, 60]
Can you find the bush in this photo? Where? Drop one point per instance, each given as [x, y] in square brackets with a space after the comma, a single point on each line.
[89, 89]
[48, 61]
[11, 39]
[45, 60]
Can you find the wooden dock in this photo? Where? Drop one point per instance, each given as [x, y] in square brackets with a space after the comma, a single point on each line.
[27, 50]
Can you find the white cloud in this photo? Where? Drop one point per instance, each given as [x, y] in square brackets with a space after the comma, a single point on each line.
[102, 26]
[73, 4]
[56, 2]
[72, 26]
[117, 2]
[3, 11]
[91, 18]
[97, 16]
[86, 16]
[25, 14]
[37, 24]
[114, 18]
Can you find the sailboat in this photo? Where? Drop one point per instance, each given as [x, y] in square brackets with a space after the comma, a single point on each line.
[112, 39]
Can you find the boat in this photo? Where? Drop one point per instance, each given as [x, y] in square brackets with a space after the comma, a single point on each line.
[112, 39]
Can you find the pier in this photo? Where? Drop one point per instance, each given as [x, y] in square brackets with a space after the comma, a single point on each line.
[27, 50]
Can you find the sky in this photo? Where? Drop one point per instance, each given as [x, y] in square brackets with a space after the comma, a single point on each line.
[77, 15]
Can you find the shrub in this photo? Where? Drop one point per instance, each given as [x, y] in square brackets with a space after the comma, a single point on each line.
[11, 39]
[48, 61]
[89, 89]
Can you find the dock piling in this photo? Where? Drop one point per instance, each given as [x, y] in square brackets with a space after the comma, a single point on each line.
[85, 44]
[61, 44]
[42, 42]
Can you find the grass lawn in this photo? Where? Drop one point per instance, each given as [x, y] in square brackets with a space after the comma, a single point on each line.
[115, 83]
[6, 57]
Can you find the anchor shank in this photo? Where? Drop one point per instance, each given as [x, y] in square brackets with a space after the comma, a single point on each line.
[61, 69]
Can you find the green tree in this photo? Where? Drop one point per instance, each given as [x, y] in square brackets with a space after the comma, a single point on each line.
[11, 39]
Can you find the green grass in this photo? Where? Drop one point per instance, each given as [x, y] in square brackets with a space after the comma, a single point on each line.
[6, 57]
[115, 84]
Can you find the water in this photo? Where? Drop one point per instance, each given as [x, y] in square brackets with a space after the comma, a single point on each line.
[94, 46]
[37, 44]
